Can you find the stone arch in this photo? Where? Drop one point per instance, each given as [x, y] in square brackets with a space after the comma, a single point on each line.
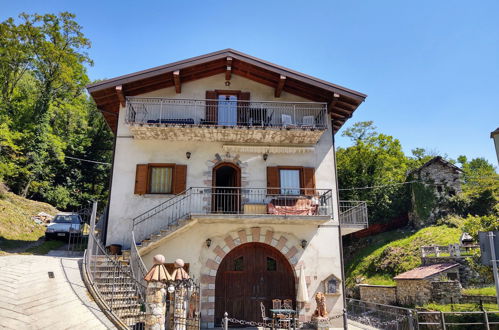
[229, 159]
[285, 243]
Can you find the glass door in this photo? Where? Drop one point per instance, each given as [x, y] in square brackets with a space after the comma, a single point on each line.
[227, 110]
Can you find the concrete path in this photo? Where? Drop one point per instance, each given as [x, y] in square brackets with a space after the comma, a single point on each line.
[29, 299]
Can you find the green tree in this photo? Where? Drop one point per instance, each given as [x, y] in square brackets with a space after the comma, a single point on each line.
[373, 160]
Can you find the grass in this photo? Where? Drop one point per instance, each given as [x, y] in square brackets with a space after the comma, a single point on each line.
[44, 248]
[16, 227]
[485, 291]
[380, 280]
[458, 307]
[395, 252]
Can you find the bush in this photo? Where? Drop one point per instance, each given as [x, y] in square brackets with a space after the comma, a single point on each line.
[451, 221]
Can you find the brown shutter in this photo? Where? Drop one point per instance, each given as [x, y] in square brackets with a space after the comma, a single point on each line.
[141, 175]
[308, 181]
[179, 179]
[211, 108]
[242, 108]
[272, 180]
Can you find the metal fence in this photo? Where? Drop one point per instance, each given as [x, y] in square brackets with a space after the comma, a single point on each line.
[452, 250]
[156, 110]
[231, 200]
[427, 320]
[381, 316]
[353, 212]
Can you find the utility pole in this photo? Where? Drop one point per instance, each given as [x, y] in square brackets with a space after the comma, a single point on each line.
[494, 264]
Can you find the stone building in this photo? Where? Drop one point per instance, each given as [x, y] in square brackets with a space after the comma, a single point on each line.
[437, 181]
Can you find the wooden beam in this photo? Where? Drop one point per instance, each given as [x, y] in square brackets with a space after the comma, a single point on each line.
[280, 86]
[228, 71]
[121, 95]
[176, 79]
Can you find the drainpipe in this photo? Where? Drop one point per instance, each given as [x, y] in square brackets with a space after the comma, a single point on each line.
[340, 237]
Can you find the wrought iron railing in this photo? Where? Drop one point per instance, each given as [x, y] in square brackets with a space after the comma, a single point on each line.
[156, 110]
[230, 200]
[353, 213]
[452, 250]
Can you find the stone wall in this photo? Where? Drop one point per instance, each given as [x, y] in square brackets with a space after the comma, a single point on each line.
[412, 292]
[381, 294]
[448, 292]
[467, 276]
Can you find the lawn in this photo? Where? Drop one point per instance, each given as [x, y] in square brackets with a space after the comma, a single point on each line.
[458, 307]
[485, 291]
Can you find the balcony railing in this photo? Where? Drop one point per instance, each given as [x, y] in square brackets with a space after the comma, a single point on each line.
[226, 113]
[353, 213]
[230, 200]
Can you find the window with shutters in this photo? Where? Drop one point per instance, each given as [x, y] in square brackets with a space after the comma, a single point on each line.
[160, 179]
[290, 180]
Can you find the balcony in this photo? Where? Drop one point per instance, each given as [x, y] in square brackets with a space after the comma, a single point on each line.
[250, 205]
[234, 121]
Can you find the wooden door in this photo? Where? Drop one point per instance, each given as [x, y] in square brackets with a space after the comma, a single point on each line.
[249, 274]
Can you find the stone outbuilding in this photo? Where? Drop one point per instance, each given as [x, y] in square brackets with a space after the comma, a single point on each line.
[421, 285]
[436, 181]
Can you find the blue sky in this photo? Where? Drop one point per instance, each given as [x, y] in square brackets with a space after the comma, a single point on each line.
[430, 68]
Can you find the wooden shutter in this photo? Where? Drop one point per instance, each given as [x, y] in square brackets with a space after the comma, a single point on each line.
[272, 180]
[242, 108]
[308, 181]
[141, 175]
[211, 108]
[179, 179]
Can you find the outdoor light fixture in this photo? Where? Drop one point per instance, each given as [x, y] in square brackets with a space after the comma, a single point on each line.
[227, 83]
[303, 243]
[265, 156]
[171, 289]
[188, 154]
[208, 242]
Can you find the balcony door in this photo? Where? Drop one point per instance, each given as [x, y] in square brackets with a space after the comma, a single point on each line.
[226, 191]
[227, 110]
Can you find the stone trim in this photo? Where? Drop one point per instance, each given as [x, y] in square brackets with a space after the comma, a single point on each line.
[287, 244]
[226, 158]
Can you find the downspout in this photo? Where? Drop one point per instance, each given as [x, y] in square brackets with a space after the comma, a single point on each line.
[340, 237]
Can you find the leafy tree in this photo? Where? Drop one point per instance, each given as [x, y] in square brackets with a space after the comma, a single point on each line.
[374, 159]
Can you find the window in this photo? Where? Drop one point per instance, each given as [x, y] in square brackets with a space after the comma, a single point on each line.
[290, 182]
[161, 180]
[227, 110]
[239, 264]
[271, 264]
[331, 286]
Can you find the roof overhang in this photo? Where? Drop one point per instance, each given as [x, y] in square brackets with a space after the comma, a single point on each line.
[108, 94]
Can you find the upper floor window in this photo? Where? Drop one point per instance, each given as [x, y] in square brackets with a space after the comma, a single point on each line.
[160, 179]
[290, 181]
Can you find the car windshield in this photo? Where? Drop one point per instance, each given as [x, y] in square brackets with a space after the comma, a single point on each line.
[73, 218]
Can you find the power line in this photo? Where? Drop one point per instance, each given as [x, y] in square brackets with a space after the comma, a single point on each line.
[386, 185]
[87, 160]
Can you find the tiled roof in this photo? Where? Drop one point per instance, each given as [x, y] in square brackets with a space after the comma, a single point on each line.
[423, 272]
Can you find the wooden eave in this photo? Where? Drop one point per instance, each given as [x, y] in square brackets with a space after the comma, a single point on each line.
[342, 101]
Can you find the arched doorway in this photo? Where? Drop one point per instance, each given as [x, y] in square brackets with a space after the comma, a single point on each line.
[248, 275]
[226, 188]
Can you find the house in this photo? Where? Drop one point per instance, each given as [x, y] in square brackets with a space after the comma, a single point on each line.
[436, 181]
[495, 136]
[227, 161]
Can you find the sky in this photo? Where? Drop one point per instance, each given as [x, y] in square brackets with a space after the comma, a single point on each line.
[430, 68]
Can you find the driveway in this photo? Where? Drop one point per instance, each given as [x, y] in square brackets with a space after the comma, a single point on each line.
[31, 299]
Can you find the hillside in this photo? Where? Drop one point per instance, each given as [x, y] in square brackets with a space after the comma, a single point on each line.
[16, 226]
[391, 253]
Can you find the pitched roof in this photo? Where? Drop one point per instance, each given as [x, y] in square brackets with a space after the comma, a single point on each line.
[423, 272]
[438, 159]
[342, 102]
[494, 133]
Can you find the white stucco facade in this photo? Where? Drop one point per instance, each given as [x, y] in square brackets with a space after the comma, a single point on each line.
[320, 258]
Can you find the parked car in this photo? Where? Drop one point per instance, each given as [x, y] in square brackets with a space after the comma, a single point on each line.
[64, 225]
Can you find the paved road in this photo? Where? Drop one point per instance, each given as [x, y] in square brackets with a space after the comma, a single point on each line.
[29, 299]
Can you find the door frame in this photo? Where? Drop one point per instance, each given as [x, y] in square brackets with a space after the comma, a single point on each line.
[237, 185]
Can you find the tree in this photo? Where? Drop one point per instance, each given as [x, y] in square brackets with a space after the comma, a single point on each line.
[374, 160]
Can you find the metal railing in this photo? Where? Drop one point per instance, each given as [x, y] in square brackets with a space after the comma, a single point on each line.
[353, 212]
[156, 110]
[381, 316]
[231, 200]
[429, 320]
[452, 250]
[113, 282]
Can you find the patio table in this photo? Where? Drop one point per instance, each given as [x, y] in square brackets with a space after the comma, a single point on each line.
[286, 311]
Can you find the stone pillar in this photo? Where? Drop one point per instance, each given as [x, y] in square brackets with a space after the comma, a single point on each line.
[156, 294]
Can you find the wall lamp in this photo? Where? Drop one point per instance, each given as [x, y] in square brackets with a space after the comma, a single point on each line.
[304, 243]
[265, 156]
[188, 154]
[208, 242]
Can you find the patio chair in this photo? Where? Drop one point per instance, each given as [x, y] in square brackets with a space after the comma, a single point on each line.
[287, 304]
[276, 303]
[264, 317]
[287, 121]
[308, 121]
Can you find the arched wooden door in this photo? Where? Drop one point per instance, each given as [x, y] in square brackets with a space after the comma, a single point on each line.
[249, 274]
